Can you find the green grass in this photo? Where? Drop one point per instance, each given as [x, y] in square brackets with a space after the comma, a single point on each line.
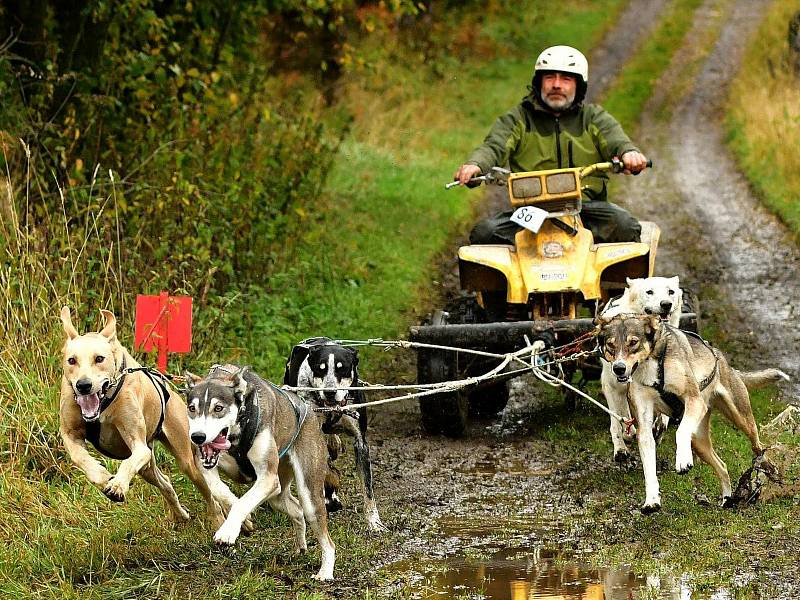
[763, 117]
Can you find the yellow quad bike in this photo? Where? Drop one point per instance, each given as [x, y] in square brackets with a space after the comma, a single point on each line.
[548, 286]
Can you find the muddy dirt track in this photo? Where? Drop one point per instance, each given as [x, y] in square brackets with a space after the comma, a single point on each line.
[497, 494]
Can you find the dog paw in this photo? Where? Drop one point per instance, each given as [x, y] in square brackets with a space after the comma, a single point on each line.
[215, 518]
[248, 527]
[226, 535]
[651, 507]
[659, 428]
[622, 456]
[180, 514]
[322, 576]
[684, 461]
[333, 504]
[115, 491]
[728, 502]
[375, 524]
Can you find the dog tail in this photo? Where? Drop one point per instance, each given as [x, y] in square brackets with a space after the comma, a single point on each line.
[756, 379]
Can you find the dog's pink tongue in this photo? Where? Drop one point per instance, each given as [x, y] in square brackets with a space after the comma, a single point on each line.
[220, 443]
[90, 404]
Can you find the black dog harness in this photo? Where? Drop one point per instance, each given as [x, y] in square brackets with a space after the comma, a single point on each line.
[250, 424]
[669, 398]
[158, 381]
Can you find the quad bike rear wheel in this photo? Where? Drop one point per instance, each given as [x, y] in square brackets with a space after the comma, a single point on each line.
[448, 412]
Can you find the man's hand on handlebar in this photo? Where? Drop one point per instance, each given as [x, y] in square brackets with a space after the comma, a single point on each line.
[634, 162]
[465, 173]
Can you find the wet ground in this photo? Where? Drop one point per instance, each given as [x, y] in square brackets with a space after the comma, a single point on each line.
[488, 516]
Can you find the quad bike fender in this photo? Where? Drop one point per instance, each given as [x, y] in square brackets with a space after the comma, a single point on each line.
[491, 267]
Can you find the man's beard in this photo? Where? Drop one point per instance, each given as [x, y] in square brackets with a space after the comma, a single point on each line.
[559, 103]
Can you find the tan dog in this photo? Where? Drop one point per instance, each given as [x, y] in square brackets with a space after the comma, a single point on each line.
[670, 372]
[110, 401]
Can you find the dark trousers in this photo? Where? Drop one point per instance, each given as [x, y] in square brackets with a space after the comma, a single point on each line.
[607, 222]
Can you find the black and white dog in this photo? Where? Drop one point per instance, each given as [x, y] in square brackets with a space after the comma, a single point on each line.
[255, 432]
[325, 365]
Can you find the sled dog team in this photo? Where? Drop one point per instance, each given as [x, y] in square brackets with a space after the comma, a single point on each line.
[234, 422]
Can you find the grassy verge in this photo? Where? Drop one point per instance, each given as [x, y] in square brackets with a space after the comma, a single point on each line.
[763, 117]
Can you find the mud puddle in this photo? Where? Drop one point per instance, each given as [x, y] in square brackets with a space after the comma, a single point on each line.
[501, 559]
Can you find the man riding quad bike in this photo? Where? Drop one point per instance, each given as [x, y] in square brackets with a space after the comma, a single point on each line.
[539, 271]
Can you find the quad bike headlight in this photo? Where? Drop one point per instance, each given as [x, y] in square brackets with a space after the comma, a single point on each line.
[553, 250]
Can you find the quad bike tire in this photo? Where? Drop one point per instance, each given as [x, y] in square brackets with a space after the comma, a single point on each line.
[490, 400]
[691, 304]
[446, 412]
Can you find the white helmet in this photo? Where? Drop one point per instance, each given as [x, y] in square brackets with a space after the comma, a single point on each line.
[564, 59]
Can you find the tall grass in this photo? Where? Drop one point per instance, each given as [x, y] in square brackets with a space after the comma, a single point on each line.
[763, 116]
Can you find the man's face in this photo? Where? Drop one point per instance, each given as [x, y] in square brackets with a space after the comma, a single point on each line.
[558, 90]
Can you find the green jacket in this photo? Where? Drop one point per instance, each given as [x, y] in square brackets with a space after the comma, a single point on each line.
[530, 138]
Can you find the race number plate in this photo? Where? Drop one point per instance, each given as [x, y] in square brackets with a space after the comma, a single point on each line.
[529, 217]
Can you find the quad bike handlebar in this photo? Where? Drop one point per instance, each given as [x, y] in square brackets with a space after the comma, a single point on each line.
[498, 175]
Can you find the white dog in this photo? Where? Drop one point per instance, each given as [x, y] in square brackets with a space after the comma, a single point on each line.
[660, 296]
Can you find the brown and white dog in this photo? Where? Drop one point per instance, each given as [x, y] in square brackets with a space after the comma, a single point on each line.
[660, 296]
[668, 371]
[108, 400]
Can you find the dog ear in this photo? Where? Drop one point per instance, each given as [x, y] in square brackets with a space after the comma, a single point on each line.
[651, 326]
[191, 379]
[110, 329]
[354, 352]
[240, 386]
[66, 321]
[632, 287]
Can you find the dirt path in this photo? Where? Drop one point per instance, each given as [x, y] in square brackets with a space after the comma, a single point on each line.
[500, 497]
[739, 255]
